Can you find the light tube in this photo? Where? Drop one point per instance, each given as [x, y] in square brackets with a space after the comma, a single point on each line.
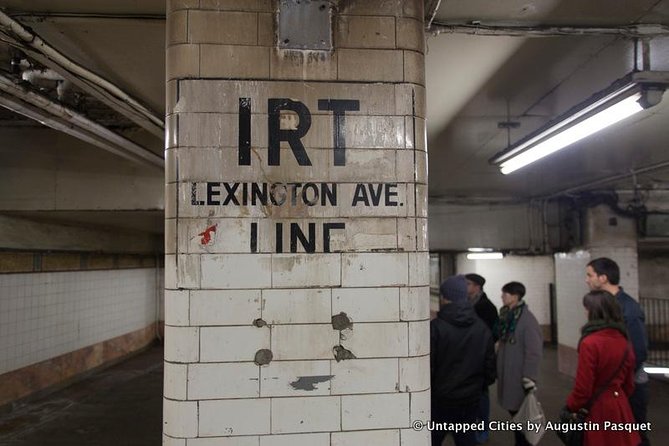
[485, 256]
[656, 370]
[571, 134]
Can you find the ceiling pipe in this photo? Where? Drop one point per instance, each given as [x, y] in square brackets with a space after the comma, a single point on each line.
[433, 13]
[42, 15]
[56, 116]
[622, 176]
[645, 31]
[34, 77]
[85, 79]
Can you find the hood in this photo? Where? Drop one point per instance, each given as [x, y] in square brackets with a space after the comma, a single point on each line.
[461, 314]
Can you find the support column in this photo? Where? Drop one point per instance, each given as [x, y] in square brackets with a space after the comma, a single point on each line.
[297, 277]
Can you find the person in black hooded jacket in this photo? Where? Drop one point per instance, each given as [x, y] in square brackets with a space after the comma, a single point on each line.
[462, 361]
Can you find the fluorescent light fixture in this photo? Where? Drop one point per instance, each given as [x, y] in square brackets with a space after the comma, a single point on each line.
[657, 370]
[479, 249]
[621, 100]
[485, 256]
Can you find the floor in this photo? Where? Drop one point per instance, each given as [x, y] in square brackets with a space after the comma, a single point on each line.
[122, 406]
[119, 406]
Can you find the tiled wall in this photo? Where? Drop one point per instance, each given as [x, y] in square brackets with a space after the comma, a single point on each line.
[570, 289]
[44, 315]
[535, 272]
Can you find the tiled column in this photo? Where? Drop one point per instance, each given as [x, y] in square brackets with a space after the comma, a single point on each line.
[297, 285]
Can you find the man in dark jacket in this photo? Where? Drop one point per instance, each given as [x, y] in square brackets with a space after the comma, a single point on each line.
[483, 307]
[487, 311]
[462, 361]
[604, 274]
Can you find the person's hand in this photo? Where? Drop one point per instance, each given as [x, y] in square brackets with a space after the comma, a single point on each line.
[529, 385]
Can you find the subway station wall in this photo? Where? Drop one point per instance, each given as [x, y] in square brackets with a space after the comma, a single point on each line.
[535, 272]
[652, 275]
[56, 325]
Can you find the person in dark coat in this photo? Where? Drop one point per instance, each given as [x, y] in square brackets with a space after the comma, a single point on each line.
[602, 359]
[462, 361]
[483, 307]
[604, 274]
[519, 351]
[487, 311]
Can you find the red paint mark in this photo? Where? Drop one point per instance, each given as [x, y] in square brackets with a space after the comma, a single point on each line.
[206, 235]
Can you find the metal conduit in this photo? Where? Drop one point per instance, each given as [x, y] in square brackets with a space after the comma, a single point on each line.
[50, 56]
[56, 116]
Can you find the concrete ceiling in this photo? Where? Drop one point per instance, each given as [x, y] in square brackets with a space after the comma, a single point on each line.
[472, 81]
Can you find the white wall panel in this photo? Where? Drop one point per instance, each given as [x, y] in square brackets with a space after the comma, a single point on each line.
[535, 272]
[44, 315]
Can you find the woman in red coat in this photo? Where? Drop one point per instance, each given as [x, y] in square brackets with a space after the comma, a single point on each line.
[600, 357]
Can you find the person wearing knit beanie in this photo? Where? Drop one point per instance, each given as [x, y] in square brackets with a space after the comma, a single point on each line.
[462, 361]
[454, 289]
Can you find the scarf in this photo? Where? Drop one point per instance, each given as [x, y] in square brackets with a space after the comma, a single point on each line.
[601, 324]
[508, 320]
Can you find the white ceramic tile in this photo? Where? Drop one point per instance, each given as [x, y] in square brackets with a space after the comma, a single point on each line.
[175, 380]
[224, 441]
[365, 376]
[236, 271]
[414, 303]
[222, 344]
[419, 269]
[176, 307]
[180, 418]
[375, 269]
[188, 270]
[401, 202]
[410, 437]
[419, 338]
[295, 306]
[306, 270]
[169, 441]
[306, 414]
[366, 304]
[170, 271]
[414, 374]
[224, 307]
[182, 344]
[293, 342]
[209, 95]
[375, 411]
[219, 381]
[376, 340]
[375, 437]
[296, 440]
[420, 406]
[295, 378]
[234, 417]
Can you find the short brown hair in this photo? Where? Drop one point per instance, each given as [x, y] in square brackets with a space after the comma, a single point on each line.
[602, 305]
